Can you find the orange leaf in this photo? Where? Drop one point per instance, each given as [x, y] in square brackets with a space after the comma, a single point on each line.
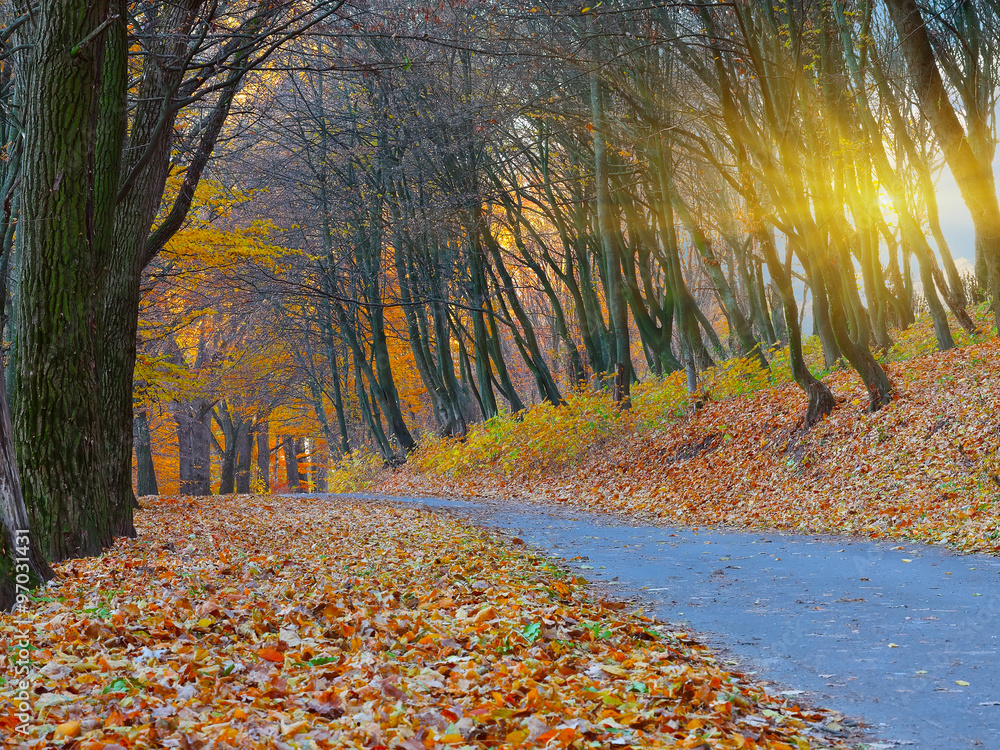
[271, 655]
[68, 729]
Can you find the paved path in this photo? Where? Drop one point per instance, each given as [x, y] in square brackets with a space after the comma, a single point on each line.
[904, 638]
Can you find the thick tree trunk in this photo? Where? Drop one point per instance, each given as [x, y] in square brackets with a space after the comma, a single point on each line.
[322, 483]
[113, 117]
[227, 479]
[201, 453]
[145, 470]
[22, 565]
[230, 425]
[56, 413]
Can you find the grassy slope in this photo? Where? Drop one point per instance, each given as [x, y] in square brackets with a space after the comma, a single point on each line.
[923, 468]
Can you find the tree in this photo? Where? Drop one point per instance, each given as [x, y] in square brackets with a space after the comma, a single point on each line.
[22, 565]
[973, 175]
[56, 397]
[94, 166]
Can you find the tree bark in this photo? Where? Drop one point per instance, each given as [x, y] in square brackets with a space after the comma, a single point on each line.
[56, 415]
[244, 459]
[872, 375]
[292, 475]
[820, 399]
[612, 259]
[148, 138]
[145, 470]
[194, 440]
[22, 565]
[263, 454]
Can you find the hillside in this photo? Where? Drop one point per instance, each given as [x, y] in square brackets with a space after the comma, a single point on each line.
[924, 467]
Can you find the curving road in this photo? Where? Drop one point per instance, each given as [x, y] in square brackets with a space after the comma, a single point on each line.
[903, 638]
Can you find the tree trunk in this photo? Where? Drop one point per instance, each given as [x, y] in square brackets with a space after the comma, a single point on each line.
[385, 384]
[821, 315]
[612, 260]
[322, 476]
[445, 413]
[112, 122]
[305, 472]
[749, 346]
[145, 470]
[820, 399]
[244, 458]
[292, 476]
[263, 455]
[871, 372]
[338, 398]
[56, 415]
[975, 179]
[194, 440]
[227, 479]
[229, 423]
[22, 565]
[383, 387]
[118, 312]
[484, 375]
[370, 415]
[777, 319]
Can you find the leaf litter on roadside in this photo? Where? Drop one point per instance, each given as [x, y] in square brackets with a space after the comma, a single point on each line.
[925, 467]
[300, 623]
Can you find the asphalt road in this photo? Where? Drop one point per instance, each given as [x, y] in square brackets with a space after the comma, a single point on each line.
[903, 638]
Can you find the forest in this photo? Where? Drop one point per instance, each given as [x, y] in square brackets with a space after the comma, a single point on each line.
[471, 247]
[418, 219]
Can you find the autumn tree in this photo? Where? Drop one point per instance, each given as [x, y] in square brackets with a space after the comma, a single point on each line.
[93, 168]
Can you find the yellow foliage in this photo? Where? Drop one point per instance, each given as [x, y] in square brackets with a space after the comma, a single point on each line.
[545, 436]
[355, 472]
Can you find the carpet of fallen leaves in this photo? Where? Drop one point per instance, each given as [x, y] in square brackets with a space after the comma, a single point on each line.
[923, 468]
[294, 623]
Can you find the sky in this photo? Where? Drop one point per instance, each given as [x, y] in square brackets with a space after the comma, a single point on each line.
[956, 223]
